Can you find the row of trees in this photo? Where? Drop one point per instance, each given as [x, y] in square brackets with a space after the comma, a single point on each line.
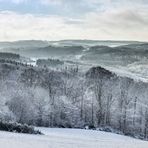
[66, 98]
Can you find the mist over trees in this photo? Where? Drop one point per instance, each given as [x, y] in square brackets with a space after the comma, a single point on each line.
[73, 99]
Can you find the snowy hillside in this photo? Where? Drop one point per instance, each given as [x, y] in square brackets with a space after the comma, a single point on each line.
[126, 58]
[72, 99]
[53, 94]
[69, 138]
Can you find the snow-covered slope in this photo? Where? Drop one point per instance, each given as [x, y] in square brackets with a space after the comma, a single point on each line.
[125, 58]
[69, 138]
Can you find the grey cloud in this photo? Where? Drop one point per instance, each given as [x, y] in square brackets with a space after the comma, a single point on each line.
[130, 18]
[74, 22]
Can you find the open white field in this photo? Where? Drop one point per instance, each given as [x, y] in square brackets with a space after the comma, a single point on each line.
[69, 138]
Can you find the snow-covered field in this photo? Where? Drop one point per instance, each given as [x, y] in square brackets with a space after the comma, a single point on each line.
[69, 138]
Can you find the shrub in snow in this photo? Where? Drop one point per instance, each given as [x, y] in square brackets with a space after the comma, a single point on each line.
[87, 127]
[109, 129]
[19, 128]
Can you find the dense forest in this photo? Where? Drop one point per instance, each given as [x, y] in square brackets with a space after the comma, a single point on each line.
[70, 98]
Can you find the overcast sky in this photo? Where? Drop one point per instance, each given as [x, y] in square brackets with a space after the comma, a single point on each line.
[74, 19]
